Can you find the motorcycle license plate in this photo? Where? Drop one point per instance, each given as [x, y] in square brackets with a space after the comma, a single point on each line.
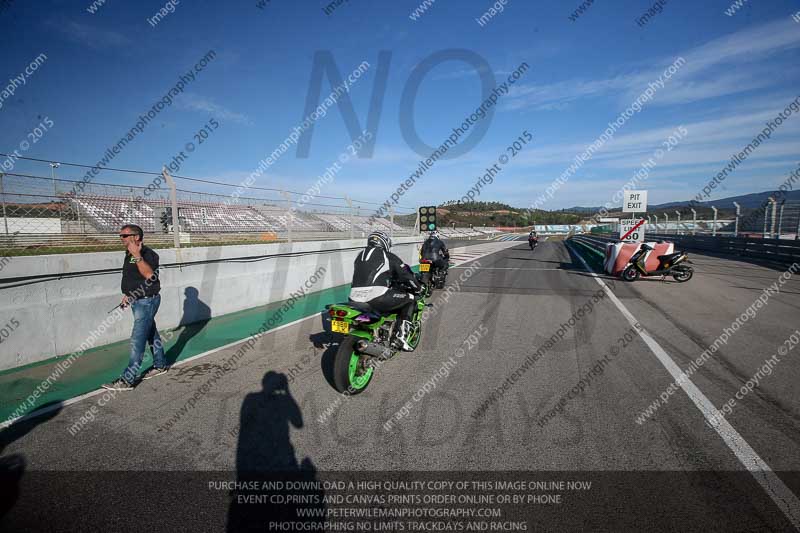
[424, 267]
[340, 326]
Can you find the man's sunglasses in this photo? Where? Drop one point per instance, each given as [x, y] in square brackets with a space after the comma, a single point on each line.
[128, 234]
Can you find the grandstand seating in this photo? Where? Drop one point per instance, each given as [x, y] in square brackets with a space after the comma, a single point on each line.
[107, 213]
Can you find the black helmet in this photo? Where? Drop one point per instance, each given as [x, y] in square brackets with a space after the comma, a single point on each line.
[379, 239]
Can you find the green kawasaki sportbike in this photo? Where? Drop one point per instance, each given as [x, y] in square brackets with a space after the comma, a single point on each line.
[367, 342]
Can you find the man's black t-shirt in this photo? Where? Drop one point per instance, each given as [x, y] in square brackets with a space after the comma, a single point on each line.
[133, 283]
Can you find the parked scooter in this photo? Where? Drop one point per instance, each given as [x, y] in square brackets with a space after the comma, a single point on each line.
[674, 264]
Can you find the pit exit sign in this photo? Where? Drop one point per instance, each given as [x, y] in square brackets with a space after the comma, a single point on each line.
[634, 202]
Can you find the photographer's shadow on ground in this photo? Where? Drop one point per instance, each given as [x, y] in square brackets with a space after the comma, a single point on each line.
[265, 453]
[12, 467]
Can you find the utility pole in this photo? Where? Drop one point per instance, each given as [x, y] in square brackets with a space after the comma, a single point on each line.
[738, 212]
[679, 221]
[694, 222]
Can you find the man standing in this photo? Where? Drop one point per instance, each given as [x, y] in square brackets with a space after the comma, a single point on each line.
[140, 289]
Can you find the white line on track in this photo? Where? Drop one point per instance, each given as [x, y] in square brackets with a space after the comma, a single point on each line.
[783, 497]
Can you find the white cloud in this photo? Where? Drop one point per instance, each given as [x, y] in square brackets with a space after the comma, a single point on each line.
[95, 38]
[196, 102]
[723, 66]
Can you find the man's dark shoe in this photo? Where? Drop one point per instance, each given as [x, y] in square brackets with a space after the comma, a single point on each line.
[153, 372]
[118, 384]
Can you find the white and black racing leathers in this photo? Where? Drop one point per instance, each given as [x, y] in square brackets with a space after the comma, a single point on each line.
[377, 276]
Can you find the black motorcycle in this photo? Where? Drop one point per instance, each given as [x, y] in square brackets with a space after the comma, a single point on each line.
[674, 264]
[532, 243]
[431, 276]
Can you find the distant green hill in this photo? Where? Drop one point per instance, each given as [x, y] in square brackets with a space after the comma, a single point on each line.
[493, 214]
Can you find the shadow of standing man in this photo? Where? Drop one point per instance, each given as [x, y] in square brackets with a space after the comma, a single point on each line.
[196, 314]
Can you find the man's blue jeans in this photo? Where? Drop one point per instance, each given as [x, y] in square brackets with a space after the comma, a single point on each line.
[144, 332]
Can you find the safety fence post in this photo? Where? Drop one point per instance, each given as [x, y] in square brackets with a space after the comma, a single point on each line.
[3, 199]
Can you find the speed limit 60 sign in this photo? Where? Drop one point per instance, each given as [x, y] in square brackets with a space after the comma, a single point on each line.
[631, 230]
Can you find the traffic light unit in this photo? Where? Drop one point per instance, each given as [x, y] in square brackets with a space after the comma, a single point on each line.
[427, 218]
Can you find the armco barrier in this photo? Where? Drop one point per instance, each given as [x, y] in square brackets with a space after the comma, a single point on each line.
[777, 250]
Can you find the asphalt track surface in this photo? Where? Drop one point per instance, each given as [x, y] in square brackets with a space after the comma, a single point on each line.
[144, 463]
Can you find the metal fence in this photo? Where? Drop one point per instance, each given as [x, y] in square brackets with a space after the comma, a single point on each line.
[774, 220]
[47, 211]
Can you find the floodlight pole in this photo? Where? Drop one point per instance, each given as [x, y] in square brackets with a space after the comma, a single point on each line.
[679, 221]
[694, 222]
[736, 225]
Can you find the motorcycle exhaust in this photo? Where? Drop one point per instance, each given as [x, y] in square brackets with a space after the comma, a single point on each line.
[374, 350]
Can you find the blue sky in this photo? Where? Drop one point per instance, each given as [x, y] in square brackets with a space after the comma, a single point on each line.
[104, 69]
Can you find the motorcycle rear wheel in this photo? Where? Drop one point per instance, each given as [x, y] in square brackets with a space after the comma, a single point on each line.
[630, 273]
[683, 275]
[349, 372]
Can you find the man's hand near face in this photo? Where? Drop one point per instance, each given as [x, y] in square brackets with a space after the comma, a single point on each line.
[135, 248]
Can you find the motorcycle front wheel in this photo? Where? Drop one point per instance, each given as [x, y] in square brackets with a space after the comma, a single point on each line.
[683, 275]
[630, 273]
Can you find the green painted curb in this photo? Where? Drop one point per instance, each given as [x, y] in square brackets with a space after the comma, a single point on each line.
[105, 363]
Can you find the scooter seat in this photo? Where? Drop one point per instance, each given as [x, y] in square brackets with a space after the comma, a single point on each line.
[670, 257]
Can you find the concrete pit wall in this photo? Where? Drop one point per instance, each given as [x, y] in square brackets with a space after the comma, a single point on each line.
[56, 316]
